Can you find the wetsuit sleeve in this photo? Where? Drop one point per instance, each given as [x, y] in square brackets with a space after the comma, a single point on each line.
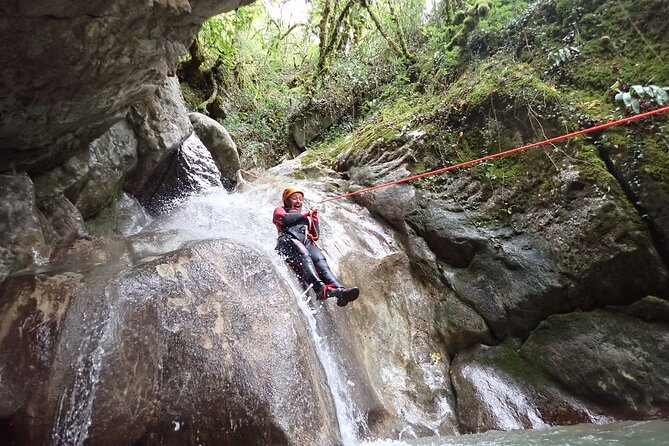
[293, 218]
[277, 218]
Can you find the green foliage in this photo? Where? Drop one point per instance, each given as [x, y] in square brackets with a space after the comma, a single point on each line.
[548, 56]
[637, 93]
[218, 36]
[448, 40]
[387, 123]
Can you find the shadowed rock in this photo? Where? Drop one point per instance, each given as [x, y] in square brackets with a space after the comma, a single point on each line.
[614, 359]
[499, 389]
[71, 70]
[221, 146]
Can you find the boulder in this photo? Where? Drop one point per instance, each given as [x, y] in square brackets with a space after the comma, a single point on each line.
[175, 348]
[221, 146]
[614, 359]
[21, 238]
[188, 170]
[162, 125]
[92, 179]
[498, 389]
[70, 71]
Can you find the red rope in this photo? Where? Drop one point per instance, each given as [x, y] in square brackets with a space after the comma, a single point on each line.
[266, 180]
[500, 154]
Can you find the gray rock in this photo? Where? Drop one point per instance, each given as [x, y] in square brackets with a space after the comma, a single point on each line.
[21, 238]
[112, 156]
[607, 357]
[400, 324]
[312, 119]
[638, 162]
[64, 220]
[125, 217]
[189, 170]
[498, 389]
[221, 146]
[199, 359]
[92, 179]
[110, 55]
[162, 125]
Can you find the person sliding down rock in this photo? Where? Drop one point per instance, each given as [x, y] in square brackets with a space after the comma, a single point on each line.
[298, 232]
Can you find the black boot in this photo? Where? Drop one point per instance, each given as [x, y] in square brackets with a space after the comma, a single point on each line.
[345, 295]
[310, 276]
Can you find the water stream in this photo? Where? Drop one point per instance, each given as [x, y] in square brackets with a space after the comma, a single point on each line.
[628, 433]
[95, 327]
[246, 218]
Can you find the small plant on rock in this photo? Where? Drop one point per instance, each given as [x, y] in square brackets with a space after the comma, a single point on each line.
[638, 94]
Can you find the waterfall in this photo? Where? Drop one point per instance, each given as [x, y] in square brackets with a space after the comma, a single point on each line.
[75, 407]
[245, 217]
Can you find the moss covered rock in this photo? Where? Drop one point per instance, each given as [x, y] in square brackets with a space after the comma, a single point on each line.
[610, 358]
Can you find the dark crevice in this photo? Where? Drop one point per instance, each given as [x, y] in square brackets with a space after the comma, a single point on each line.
[659, 241]
[7, 434]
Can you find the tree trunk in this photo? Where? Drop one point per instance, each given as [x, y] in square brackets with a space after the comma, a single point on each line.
[408, 58]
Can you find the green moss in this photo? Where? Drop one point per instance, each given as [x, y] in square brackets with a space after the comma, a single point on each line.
[656, 157]
[622, 40]
[192, 96]
[589, 163]
[652, 149]
[386, 125]
[506, 357]
[503, 81]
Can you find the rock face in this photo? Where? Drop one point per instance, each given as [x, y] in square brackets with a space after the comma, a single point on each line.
[197, 362]
[90, 110]
[93, 178]
[484, 305]
[499, 389]
[103, 57]
[604, 350]
[21, 233]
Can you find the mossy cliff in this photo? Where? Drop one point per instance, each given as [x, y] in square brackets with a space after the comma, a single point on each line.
[566, 227]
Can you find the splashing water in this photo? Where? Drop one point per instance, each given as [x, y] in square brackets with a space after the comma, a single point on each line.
[75, 408]
[246, 218]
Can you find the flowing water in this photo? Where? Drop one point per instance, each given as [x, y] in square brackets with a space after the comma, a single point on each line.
[629, 433]
[246, 218]
[94, 328]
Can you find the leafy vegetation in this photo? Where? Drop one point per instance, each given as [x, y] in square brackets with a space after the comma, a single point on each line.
[470, 77]
[637, 93]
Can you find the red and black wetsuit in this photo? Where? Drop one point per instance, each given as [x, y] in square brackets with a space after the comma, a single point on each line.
[298, 232]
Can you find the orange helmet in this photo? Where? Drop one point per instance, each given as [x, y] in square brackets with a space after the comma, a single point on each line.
[290, 190]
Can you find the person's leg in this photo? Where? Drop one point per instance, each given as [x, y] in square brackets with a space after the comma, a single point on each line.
[297, 256]
[333, 287]
[322, 266]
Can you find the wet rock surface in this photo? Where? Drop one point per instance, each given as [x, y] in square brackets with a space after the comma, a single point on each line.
[491, 310]
[164, 352]
[614, 359]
